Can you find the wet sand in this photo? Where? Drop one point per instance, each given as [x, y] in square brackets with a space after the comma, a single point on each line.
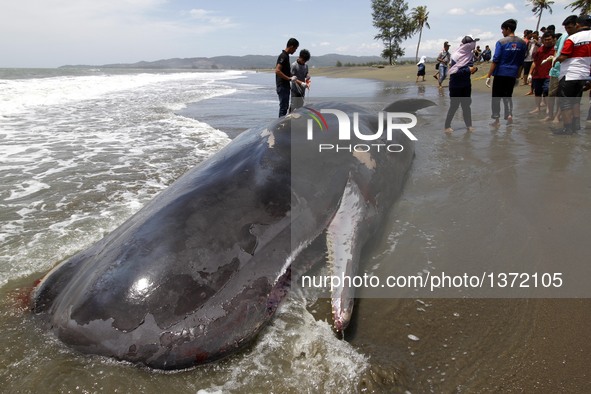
[473, 344]
[476, 345]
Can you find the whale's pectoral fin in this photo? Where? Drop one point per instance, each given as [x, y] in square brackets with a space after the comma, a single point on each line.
[344, 247]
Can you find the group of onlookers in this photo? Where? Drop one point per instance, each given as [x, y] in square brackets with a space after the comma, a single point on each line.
[291, 79]
[556, 65]
[482, 56]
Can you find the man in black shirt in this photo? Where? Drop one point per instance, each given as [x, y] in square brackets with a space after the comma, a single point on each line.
[283, 75]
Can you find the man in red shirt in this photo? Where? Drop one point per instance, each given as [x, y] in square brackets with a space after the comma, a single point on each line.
[539, 74]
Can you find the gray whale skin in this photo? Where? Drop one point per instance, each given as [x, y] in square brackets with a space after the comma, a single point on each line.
[197, 273]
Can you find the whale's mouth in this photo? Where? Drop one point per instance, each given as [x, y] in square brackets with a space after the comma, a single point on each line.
[343, 242]
[342, 312]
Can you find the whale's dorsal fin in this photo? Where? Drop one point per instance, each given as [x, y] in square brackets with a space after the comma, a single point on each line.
[409, 105]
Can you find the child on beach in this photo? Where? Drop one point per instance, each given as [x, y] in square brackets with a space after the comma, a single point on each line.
[421, 70]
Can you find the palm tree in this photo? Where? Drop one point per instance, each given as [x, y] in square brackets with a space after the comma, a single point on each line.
[418, 19]
[583, 5]
[539, 7]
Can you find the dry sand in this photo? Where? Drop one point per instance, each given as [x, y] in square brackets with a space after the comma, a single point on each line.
[407, 73]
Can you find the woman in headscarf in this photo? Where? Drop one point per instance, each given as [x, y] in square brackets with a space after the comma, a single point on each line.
[421, 66]
[460, 86]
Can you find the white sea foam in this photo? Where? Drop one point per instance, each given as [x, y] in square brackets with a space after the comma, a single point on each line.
[312, 358]
[81, 154]
[20, 95]
[26, 189]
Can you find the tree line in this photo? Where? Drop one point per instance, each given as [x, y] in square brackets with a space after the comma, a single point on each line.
[395, 25]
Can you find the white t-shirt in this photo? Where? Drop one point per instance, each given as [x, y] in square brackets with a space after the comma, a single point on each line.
[578, 49]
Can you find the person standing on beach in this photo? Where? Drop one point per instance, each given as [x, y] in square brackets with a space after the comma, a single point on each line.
[528, 37]
[533, 44]
[539, 73]
[460, 86]
[299, 69]
[283, 75]
[575, 63]
[443, 62]
[570, 26]
[508, 59]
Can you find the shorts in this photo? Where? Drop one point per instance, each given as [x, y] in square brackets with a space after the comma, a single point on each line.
[540, 86]
[553, 87]
[527, 67]
[570, 93]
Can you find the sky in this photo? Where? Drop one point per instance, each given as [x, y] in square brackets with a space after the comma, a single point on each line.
[52, 33]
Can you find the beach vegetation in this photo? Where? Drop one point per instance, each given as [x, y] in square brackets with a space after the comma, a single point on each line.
[418, 19]
[538, 8]
[393, 24]
[582, 6]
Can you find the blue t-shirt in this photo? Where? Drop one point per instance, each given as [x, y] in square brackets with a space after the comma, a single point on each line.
[509, 55]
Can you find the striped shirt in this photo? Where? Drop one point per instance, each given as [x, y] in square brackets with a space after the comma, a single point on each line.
[578, 49]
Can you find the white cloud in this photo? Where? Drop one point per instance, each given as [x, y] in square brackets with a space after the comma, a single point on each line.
[211, 17]
[199, 13]
[57, 32]
[427, 47]
[483, 35]
[508, 8]
[51, 33]
[359, 49]
[457, 11]
[374, 46]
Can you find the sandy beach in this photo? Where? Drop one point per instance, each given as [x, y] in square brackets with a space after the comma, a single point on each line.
[407, 73]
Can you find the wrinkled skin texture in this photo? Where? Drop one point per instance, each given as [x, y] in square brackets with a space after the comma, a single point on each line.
[196, 274]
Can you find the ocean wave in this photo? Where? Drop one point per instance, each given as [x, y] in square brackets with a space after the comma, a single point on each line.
[81, 154]
[21, 95]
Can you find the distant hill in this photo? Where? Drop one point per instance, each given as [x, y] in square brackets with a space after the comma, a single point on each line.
[242, 62]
